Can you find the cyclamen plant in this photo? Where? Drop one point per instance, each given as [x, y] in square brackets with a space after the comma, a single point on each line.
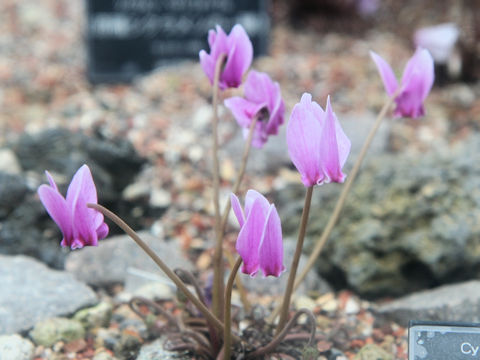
[318, 148]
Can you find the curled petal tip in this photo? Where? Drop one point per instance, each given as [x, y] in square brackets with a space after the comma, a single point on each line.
[386, 73]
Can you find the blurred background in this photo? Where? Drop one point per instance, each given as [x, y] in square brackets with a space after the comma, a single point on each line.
[412, 221]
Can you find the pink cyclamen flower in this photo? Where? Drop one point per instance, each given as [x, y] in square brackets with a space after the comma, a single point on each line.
[80, 225]
[238, 49]
[317, 145]
[417, 80]
[262, 99]
[259, 241]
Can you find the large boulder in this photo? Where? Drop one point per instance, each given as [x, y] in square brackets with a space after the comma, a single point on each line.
[114, 162]
[32, 292]
[456, 302]
[410, 222]
[115, 257]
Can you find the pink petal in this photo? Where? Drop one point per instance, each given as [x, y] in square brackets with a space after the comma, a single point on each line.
[207, 64]
[84, 223]
[409, 104]
[78, 244]
[239, 57]
[329, 148]
[419, 73]
[102, 231]
[343, 142]
[277, 112]
[82, 191]
[51, 181]
[82, 184]
[249, 238]
[417, 82]
[58, 210]
[303, 140]
[271, 247]
[260, 135]
[259, 87]
[386, 73]
[237, 209]
[251, 197]
[212, 35]
[243, 110]
[218, 45]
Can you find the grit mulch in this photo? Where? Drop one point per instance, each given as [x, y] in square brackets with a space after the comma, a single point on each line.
[166, 116]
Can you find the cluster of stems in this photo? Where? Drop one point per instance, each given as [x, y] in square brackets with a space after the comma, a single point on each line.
[218, 317]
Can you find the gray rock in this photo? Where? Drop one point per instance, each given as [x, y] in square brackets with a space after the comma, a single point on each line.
[155, 351]
[14, 347]
[276, 286]
[108, 263]
[457, 302]
[155, 291]
[409, 223]
[50, 331]
[12, 192]
[26, 225]
[32, 292]
[113, 162]
[128, 345]
[9, 162]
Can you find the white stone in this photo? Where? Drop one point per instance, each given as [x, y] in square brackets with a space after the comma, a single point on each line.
[14, 347]
[9, 162]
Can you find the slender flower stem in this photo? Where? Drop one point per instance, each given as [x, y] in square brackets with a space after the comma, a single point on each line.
[217, 296]
[296, 259]
[180, 284]
[341, 200]
[241, 172]
[227, 343]
[240, 287]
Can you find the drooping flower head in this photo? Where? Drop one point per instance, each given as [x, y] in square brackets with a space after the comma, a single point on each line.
[262, 100]
[238, 49]
[317, 145]
[259, 241]
[417, 81]
[80, 225]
